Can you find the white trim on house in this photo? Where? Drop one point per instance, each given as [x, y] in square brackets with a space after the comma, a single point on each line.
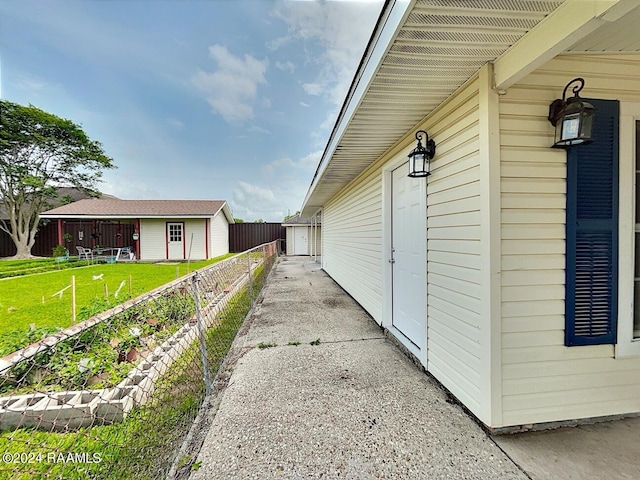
[629, 114]
[490, 267]
[569, 23]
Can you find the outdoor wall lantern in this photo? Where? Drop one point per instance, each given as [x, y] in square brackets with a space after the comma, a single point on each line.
[420, 156]
[572, 117]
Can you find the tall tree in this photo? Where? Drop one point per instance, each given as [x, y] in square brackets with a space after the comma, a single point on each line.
[40, 152]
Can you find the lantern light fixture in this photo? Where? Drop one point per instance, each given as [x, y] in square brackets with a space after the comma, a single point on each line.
[420, 156]
[572, 117]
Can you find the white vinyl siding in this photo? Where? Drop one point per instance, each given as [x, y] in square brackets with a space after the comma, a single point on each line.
[153, 239]
[290, 239]
[353, 256]
[542, 380]
[352, 241]
[454, 303]
[194, 239]
[219, 238]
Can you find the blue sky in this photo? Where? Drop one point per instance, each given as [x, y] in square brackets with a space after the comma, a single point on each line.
[215, 99]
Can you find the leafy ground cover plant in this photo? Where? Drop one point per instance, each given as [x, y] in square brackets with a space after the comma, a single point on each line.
[145, 443]
[102, 356]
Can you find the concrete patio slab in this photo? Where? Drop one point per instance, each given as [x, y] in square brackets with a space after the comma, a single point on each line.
[608, 450]
[352, 406]
[332, 397]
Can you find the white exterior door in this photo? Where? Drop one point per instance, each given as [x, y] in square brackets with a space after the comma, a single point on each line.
[175, 241]
[301, 241]
[408, 257]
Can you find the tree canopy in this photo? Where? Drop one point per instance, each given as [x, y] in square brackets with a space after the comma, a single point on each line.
[40, 152]
[287, 217]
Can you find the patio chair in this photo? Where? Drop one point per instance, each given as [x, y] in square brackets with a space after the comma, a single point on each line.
[84, 253]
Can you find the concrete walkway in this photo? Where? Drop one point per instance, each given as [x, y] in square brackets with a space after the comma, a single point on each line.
[317, 391]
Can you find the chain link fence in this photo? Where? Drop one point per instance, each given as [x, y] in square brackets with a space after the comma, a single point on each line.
[114, 397]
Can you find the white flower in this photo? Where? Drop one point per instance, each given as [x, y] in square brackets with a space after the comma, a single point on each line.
[135, 331]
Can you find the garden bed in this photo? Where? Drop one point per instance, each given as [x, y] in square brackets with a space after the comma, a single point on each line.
[104, 365]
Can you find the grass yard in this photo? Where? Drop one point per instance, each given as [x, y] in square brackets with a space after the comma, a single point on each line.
[141, 446]
[44, 299]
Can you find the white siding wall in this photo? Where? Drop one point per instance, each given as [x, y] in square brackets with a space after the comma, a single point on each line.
[290, 239]
[153, 239]
[195, 238]
[454, 349]
[352, 240]
[352, 226]
[219, 237]
[543, 380]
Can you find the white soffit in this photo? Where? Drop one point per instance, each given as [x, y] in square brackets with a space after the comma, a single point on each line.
[440, 45]
[622, 35]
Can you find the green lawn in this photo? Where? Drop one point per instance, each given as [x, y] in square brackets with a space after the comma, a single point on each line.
[43, 300]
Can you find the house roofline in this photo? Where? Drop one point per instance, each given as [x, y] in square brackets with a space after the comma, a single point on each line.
[391, 17]
[562, 28]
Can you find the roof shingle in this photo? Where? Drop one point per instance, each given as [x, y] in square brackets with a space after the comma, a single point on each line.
[137, 208]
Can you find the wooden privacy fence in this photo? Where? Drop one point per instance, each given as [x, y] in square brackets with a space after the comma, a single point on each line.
[243, 236]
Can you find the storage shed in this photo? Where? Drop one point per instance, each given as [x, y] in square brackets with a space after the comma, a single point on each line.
[303, 235]
[156, 229]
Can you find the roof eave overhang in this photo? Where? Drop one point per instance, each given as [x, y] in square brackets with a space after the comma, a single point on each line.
[565, 26]
[119, 217]
[391, 18]
[568, 24]
[227, 212]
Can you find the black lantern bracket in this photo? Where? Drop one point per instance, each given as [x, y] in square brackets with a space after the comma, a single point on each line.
[572, 117]
[420, 157]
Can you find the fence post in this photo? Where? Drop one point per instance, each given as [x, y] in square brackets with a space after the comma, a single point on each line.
[250, 278]
[73, 299]
[201, 335]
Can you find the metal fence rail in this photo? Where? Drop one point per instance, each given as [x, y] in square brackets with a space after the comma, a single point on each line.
[114, 397]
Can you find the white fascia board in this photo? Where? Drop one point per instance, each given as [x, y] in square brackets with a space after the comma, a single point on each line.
[569, 23]
[394, 20]
[227, 212]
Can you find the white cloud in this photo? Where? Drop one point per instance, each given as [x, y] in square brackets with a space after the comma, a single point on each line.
[30, 84]
[341, 29]
[174, 122]
[231, 89]
[287, 66]
[306, 105]
[307, 163]
[251, 202]
[313, 88]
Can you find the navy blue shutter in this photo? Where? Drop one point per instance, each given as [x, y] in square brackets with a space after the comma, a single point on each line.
[592, 233]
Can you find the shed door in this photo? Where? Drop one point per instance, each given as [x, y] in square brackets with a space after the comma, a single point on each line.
[301, 241]
[175, 241]
[408, 243]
